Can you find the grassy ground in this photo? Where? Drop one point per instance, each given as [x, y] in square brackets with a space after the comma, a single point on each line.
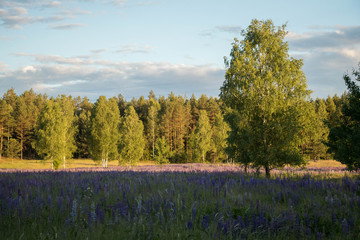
[7, 163]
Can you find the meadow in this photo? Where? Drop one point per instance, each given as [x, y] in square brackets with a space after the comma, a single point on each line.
[188, 201]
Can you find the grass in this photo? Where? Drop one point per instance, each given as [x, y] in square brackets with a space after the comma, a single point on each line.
[325, 163]
[7, 163]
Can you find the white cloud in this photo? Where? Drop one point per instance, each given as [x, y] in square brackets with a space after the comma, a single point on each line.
[29, 69]
[53, 4]
[229, 28]
[327, 53]
[134, 48]
[112, 78]
[3, 67]
[67, 26]
[15, 14]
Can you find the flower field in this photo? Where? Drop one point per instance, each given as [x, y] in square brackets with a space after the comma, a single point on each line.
[191, 201]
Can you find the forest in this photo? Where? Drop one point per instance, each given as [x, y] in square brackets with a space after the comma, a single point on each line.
[186, 129]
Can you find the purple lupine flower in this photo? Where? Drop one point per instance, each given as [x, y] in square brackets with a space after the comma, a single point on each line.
[189, 224]
[193, 211]
[205, 222]
[345, 226]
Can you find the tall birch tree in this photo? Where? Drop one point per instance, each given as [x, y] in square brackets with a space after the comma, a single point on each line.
[132, 141]
[203, 134]
[104, 134]
[267, 89]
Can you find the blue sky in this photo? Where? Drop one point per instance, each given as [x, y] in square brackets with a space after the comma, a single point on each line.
[107, 47]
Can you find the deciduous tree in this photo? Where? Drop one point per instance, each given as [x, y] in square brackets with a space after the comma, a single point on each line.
[104, 134]
[132, 140]
[203, 134]
[266, 89]
[162, 151]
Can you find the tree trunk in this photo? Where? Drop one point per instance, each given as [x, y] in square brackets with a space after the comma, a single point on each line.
[64, 161]
[153, 144]
[267, 171]
[22, 145]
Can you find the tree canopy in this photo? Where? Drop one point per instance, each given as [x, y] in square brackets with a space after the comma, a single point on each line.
[344, 136]
[104, 133]
[132, 139]
[266, 90]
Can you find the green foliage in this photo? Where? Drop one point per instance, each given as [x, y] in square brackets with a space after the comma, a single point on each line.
[174, 124]
[48, 132]
[13, 148]
[56, 130]
[67, 123]
[132, 140]
[344, 136]
[162, 151]
[315, 132]
[267, 91]
[219, 138]
[203, 134]
[83, 114]
[152, 123]
[104, 133]
[5, 122]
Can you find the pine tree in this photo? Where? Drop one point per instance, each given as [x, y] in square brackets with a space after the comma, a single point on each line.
[267, 89]
[212, 109]
[344, 137]
[104, 134]
[5, 118]
[332, 112]
[319, 147]
[26, 115]
[132, 140]
[83, 125]
[152, 123]
[203, 134]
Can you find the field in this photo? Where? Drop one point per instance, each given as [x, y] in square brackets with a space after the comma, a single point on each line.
[190, 201]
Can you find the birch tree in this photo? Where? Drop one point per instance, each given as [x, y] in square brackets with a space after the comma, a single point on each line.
[48, 134]
[132, 142]
[203, 134]
[104, 134]
[267, 90]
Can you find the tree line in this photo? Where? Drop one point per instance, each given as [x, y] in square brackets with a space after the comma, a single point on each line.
[168, 129]
[172, 129]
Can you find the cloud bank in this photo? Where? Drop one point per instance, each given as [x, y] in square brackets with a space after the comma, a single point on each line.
[83, 77]
[328, 54]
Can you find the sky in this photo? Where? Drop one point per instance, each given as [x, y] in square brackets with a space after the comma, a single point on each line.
[110, 47]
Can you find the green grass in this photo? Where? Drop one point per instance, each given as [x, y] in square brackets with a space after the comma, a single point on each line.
[7, 163]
